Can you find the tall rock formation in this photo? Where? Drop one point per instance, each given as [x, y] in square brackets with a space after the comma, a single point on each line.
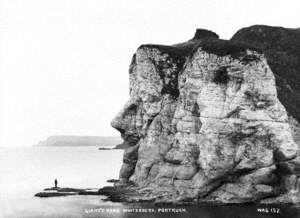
[203, 122]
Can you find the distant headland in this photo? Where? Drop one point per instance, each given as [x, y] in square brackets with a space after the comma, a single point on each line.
[76, 141]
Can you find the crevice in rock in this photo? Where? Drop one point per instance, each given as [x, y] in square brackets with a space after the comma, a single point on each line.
[221, 76]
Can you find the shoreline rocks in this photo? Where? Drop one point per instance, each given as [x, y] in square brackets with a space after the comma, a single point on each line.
[112, 180]
[57, 192]
[101, 148]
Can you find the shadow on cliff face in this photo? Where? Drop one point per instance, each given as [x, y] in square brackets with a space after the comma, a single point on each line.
[204, 123]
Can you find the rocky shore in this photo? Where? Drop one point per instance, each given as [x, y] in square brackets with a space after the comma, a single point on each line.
[58, 191]
[130, 194]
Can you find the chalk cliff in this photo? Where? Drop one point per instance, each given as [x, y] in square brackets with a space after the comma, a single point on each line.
[204, 123]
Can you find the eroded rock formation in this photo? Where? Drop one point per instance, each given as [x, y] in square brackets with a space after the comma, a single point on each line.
[204, 123]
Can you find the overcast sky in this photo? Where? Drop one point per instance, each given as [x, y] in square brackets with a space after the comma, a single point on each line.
[64, 63]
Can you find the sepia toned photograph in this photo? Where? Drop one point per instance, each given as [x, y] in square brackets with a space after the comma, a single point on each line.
[149, 109]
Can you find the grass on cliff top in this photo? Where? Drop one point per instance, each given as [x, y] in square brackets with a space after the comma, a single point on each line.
[222, 47]
[183, 49]
[212, 45]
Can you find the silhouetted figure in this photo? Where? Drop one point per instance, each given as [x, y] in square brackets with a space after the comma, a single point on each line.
[55, 183]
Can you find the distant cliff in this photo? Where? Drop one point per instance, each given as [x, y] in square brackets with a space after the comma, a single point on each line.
[214, 120]
[68, 140]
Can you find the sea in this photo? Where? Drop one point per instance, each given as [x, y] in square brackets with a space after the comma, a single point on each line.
[25, 171]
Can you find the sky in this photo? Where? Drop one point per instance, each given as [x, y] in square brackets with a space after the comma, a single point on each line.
[64, 63]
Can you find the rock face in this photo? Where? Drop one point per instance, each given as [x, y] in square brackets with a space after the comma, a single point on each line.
[204, 123]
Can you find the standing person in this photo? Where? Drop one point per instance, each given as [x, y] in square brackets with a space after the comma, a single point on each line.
[55, 183]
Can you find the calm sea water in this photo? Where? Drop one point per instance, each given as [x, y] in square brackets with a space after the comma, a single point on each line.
[26, 171]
